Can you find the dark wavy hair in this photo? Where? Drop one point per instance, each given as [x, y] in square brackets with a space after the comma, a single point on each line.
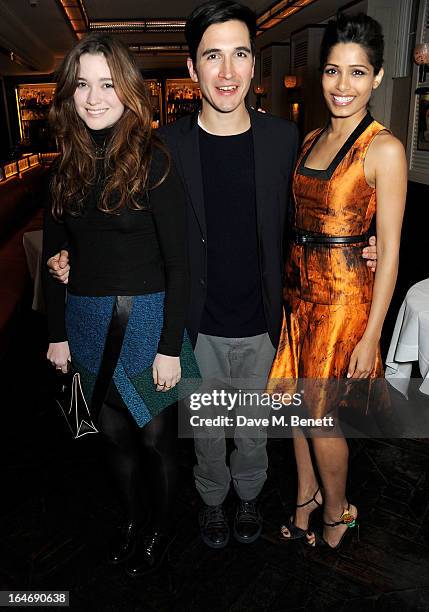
[129, 150]
[359, 29]
[217, 11]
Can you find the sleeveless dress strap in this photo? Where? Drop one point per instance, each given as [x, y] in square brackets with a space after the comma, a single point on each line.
[307, 144]
[374, 130]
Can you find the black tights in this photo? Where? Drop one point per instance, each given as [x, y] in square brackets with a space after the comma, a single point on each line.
[142, 460]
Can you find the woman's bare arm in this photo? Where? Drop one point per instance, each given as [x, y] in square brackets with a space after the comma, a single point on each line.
[387, 163]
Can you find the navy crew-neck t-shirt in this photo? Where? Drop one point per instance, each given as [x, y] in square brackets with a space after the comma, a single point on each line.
[234, 306]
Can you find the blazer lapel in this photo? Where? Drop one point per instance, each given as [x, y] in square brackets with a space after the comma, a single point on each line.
[189, 153]
[262, 155]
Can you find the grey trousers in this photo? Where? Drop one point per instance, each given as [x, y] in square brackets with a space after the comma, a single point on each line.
[226, 359]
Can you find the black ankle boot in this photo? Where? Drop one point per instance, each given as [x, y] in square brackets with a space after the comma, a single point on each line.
[123, 542]
[151, 550]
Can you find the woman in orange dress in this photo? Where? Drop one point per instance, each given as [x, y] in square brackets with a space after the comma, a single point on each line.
[334, 307]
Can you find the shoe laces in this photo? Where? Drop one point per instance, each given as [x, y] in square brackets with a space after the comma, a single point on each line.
[248, 510]
[214, 515]
[126, 529]
[150, 541]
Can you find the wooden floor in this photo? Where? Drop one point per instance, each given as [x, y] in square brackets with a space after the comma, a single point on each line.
[58, 509]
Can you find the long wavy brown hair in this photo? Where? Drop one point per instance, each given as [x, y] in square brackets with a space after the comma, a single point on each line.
[129, 150]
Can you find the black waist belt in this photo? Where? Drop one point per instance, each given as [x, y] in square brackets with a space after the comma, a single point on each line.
[303, 237]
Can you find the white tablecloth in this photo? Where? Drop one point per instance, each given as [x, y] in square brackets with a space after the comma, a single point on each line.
[410, 340]
[32, 242]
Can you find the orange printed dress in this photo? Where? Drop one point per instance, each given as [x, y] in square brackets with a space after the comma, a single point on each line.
[327, 286]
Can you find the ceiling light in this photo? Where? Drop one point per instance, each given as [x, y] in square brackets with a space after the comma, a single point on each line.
[75, 15]
[279, 12]
[146, 25]
[158, 49]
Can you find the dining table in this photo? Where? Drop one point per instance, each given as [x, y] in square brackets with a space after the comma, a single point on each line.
[410, 340]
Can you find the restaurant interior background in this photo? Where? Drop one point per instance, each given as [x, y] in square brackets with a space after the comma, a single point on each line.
[34, 36]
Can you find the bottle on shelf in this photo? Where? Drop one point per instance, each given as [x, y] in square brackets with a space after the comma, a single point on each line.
[33, 101]
[183, 97]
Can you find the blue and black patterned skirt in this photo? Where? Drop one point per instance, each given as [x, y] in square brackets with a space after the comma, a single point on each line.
[87, 323]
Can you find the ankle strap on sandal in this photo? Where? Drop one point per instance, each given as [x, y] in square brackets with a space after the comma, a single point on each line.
[345, 519]
[313, 499]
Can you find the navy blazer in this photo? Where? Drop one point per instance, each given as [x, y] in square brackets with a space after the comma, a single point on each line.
[275, 149]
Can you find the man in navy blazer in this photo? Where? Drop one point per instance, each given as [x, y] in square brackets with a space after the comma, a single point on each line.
[236, 166]
[274, 145]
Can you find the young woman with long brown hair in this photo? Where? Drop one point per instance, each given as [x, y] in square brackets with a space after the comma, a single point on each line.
[118, 204]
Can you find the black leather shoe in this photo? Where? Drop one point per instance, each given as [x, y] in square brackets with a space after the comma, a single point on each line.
[123, 542]
[214, 527]
[150, 552]
[248, 521]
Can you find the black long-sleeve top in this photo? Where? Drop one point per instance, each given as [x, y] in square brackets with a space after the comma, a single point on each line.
[134, 253]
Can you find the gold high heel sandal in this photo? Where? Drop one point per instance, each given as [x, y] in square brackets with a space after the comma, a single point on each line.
[345, 519]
